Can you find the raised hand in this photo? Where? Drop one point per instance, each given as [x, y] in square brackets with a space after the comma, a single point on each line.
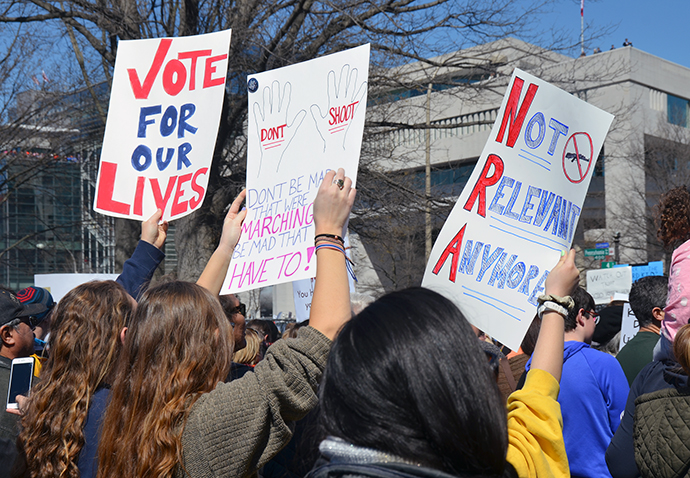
[276, 130]
[153, 231]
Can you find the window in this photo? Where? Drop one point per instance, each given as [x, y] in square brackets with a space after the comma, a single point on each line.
[677, 111]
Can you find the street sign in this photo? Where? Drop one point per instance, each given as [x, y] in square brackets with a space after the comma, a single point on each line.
[602, 245]
[597, 253]
[608, 264]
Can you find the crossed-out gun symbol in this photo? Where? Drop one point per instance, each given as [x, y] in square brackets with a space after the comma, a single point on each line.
[573, 156]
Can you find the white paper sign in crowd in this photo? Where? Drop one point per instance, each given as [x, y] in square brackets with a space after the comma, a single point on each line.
[165, 107]
[602, 284]
[60, 284]
[304, 120]
[520, 207]
[630, 326]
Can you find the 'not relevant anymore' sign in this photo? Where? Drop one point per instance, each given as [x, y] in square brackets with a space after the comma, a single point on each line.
[520, 207]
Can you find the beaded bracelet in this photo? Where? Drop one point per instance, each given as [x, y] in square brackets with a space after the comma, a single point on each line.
[348, 262]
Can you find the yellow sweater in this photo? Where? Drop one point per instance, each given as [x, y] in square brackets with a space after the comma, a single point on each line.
[535, 428]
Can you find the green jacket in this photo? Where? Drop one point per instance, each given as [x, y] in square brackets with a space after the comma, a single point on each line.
[238, 427]
[661, 434]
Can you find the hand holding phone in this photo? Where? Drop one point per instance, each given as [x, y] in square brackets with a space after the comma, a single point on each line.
[21, 378]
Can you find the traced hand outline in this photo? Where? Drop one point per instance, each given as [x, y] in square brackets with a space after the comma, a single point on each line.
[344, 92]
[274, 114]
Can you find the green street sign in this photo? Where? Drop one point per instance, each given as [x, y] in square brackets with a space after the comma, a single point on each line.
[608, 264]
[597, 253]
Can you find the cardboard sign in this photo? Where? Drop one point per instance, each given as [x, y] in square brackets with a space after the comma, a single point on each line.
[602, 284]
[520, 207]
[162, 125]
[304, 120]
[629, 325]
[60, 284]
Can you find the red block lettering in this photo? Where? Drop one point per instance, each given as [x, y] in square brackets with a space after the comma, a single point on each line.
[139, 196]
[515, 124]
[211, 69]
[178, 208]
[485, 180]
[453, 247]
[142, 92]
[192, 55]
[161, 202]
[106, 186]
[198, 189]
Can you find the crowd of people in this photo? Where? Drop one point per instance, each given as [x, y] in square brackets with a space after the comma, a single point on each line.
[170, 380]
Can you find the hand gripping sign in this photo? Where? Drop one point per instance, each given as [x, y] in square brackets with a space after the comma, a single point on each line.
[304, 119]
[162, 125]
[520, 207]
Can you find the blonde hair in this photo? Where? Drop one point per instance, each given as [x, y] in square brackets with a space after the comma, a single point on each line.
[248, 354]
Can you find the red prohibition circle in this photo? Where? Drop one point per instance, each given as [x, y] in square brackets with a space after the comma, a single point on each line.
[583, 175]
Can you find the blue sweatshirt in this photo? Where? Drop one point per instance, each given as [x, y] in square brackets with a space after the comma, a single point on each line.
[592, 397]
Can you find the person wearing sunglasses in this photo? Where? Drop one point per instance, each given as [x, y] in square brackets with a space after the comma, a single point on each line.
[236, 312]
[593, 392]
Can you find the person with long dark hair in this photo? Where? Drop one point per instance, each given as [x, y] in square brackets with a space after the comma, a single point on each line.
[170, 416]
[408, 392]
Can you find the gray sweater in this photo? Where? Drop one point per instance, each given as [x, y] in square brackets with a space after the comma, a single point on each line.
[238, 427]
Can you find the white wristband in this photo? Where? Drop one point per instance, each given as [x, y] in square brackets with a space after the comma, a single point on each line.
[552, 307]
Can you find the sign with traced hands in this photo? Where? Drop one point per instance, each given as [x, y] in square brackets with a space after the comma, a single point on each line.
[304, 120]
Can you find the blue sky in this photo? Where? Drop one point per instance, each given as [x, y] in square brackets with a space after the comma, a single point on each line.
[658, 27]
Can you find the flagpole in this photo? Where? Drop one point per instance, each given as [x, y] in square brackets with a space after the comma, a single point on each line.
[582, 27]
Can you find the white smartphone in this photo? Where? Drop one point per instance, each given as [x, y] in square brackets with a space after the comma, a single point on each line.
[21, 378]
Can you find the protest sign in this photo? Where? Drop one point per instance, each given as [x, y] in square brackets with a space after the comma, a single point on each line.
[520, 207]
[304, 120]
[61, 284]
[629, 325]
[602, 284]
[162, 125]
[303, 291]
[655, 268]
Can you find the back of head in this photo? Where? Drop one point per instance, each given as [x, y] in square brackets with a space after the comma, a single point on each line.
[646, 294]
[681, 348]
[407, 377]
[178, 347]
[582, 301]
[248, 354]
[673, 214]
[84, 347]
[265, 327]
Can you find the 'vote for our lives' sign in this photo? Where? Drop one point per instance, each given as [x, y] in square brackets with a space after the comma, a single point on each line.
[304, 120]
[165, 106]
[520, 207]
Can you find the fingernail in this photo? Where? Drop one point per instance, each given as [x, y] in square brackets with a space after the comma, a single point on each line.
[562, 253]
[244, 208]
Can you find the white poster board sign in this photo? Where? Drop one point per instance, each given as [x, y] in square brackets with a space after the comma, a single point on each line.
[629, 325]
[304, 120]
[303, 291]
[60, 284]
[163, 117]
[603, 283]
[520, 207]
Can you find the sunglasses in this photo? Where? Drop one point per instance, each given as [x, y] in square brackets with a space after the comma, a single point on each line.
[31, 321]
[240, 309]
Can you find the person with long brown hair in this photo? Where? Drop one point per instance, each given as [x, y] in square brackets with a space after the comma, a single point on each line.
[83, 350]
[170, 416]
[61, 418]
